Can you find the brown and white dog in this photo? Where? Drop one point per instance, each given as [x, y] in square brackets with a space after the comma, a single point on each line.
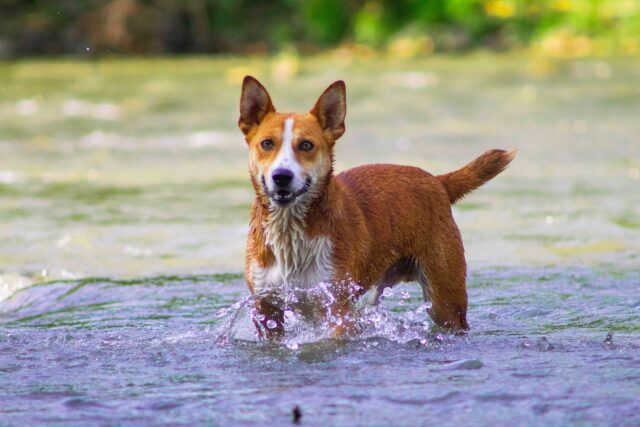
[371, 226]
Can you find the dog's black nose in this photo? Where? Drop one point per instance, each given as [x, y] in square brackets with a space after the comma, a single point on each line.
[282, 177]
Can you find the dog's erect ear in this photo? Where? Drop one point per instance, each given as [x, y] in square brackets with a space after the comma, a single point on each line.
[255, 103]
[331, 108]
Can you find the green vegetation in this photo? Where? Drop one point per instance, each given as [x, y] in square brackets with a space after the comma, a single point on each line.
[627, 221]
[404, 27]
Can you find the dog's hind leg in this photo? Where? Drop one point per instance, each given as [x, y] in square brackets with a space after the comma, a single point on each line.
[442, 276]
[404, 270]
[378, 290]
[424, 285]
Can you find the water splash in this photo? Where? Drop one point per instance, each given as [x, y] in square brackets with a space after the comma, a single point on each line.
[230, 316]
[308, 318]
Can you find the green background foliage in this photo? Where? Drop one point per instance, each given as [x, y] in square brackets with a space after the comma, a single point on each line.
[29, 27]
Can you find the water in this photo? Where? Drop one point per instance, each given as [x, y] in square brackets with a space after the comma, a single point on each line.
[151, 351]
[123, 207]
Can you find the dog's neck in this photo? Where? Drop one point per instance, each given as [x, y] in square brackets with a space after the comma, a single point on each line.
[287, 234]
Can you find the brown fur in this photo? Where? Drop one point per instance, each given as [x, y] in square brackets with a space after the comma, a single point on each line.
[471, 176]
[386, 223]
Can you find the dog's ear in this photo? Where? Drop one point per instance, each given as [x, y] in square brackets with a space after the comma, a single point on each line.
[255, 103]
[331, 108]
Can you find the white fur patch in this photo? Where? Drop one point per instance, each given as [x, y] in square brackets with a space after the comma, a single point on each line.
[287, 137]
[300, 261]
[286, 159]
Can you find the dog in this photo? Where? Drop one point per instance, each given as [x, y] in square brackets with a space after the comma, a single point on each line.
[369, 227]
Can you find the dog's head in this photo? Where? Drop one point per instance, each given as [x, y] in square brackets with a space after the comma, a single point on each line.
[290, 154]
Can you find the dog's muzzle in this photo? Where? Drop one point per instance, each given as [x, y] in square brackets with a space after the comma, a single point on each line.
[283, 194]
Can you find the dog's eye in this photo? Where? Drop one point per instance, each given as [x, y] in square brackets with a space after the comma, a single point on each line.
[305, 145]
[267, 145]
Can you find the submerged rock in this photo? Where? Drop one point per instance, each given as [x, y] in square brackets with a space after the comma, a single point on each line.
[608, 341]
[296, 414]
[465, 364]
[543, 344]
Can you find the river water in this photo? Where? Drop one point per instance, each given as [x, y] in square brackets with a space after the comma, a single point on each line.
[123, 210]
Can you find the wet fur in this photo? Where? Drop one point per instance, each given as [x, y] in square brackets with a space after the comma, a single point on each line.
[373, 225]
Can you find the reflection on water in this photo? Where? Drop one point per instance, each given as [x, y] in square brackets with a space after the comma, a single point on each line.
[123, 210]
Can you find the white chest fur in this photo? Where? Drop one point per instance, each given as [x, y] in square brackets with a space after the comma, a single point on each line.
[301, 261]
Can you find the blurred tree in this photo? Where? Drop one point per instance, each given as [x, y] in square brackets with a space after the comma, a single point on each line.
[325, 21]
[32, 27]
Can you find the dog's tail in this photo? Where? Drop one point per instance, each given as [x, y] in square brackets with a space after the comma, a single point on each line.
[471, 176]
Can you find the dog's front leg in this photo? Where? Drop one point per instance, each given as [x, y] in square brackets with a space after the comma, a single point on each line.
[341, 319]
[341, 313]
[269, 317]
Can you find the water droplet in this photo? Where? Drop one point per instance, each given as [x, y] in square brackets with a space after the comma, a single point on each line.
[271, 324]
[405, 295]
[292, 345]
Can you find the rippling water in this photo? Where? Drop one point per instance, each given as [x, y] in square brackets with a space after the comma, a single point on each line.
[176, 350]
[123, 210]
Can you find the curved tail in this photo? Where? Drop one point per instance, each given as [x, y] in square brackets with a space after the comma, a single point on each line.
[471, 176]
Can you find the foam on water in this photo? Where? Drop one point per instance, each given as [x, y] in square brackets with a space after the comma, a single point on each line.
[12, 283]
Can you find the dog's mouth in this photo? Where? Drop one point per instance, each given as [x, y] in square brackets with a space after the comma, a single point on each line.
[284, 197]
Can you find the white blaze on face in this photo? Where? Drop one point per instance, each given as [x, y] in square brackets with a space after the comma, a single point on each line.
[286, 159]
